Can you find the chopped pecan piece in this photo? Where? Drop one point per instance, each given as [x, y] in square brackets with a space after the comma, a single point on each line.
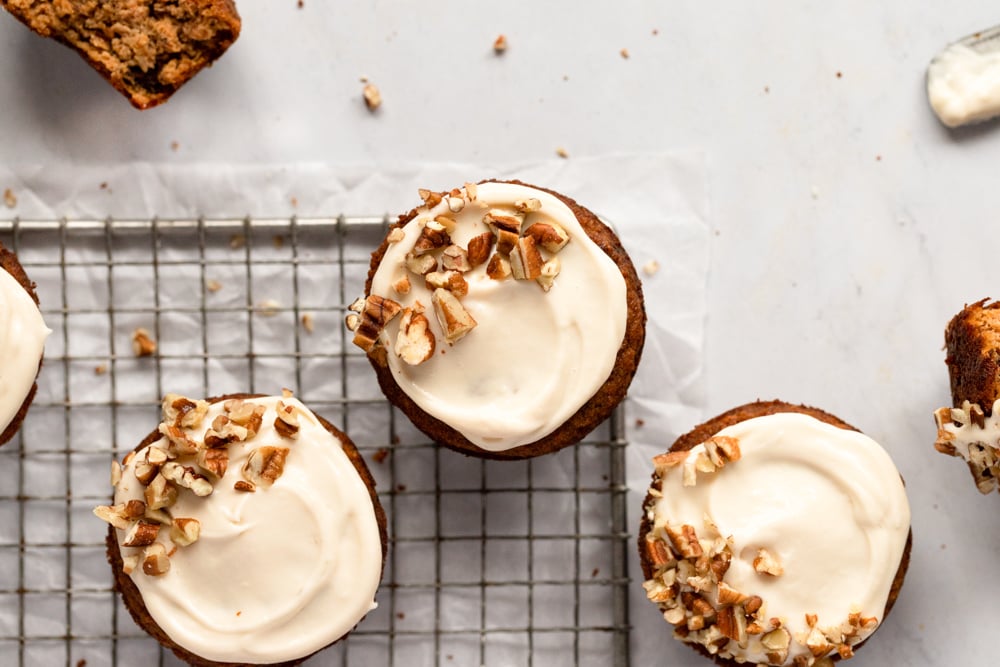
[455, 258]
[377, 313]
[722, 449]
[548, 235]
[178, 442]
[498, 268]
[155, 562]
[525, 260]
[214, 460]
[453, 281]
[160, 493]
[141, 534]
[143, 344]
[479, 249]
[547, 277]
[286, 421]
[454, 319]
[185, 532]
[186, 477]
[528, 205]
[767, 563]
[402, 285]
[420, 264]
[265, 465]
[225, 431]
[181, 411]
[433, 236]
[246, 487]
[415, 342]
[471, 191]
[429, 197]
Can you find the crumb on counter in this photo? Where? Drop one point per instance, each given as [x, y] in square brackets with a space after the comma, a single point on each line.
[651, 267]
[500, 44]
[9, 198]
[562, 152]
[624, 54]
[372, 96]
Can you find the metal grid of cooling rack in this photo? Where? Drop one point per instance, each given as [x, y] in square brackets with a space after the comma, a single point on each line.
[505, 563]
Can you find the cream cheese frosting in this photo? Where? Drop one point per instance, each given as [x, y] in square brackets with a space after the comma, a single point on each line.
[22, 339]
[969, 434]
[535, 357]
[815, 520]
[963, 84]
[276, 574]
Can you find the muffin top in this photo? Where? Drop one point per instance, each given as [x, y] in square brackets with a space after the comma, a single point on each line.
[22, 339]
[784, 533]
[258, 540]
[510, 316]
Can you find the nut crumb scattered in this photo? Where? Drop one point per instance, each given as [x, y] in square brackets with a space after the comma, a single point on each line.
[174, 145]
[81, 663]
[400, 615]
[300, 4]
[394, 439]
[372, 95]
[656, 31]
[624, 53]
[840, 75]
[380, 455]
[639, 423]
[651, 267]
[9, 198]
[307, 322]
[103, 185]
[294, 202]
[562, 152]
[213, 285]
[500, 44]
[100, 369]
[143, 344]
[596, 571]
[278, 240]
[237, 241]
[268, 308]
[401, 487]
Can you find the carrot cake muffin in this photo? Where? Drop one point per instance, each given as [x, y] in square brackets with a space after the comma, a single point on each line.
[22, 340]
[145, 49]
[775, 534]
[504, 319]
[245, 530]
[970, 429]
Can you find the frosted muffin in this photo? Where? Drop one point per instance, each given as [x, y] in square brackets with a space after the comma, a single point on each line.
[505, 320]
[970, 430]
[775, 534]
[22, 342]
[245, 530]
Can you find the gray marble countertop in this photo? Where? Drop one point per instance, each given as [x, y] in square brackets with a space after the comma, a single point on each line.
[847, 224]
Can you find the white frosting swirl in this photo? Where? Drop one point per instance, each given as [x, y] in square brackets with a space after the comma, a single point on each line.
[535, 357]
[22, 339]
[277, 574]
[827, 502]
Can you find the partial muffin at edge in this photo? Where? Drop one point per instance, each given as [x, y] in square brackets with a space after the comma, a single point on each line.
[10, 264]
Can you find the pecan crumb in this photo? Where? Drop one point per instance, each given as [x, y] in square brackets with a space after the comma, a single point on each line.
[100, 369]
[380, 455]
[651, 267]
[213, 285]
[562, 152]
[307, 322]
[9, 198]
[500, 44]
[372, 95]
[624, 53]
[237, 241]
[143, 344]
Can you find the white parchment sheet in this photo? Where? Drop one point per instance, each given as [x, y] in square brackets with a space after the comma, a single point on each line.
[658, 205]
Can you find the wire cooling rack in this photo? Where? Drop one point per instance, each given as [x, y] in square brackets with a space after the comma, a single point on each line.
[490, 563]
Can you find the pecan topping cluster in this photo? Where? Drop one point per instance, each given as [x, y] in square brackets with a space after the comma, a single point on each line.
[507, 249]
[183, 462]
[688, 584]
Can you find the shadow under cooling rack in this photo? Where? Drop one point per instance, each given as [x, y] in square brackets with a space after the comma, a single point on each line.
[490, 563]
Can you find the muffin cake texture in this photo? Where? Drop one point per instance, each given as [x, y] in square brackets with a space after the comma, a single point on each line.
[146, 49]
[22, 341]
[970, 429]
[505, 320]
[245, 530]
[775, 534]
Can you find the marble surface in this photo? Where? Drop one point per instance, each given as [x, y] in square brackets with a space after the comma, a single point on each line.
[848, 225]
